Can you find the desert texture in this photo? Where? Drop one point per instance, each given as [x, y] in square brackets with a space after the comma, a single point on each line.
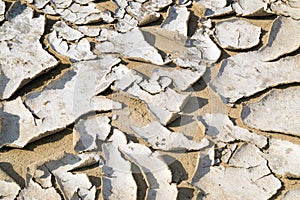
[150, 99]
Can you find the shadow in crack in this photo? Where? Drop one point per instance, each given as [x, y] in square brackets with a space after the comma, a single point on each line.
[193, 104]
[185, 193]
[182, 120]
[4, 80]
[178, 172]
[140, 181]
[9, 170]
[204, 164]
[50, 138]
[16, 9]
[96, 181]
[9, 127]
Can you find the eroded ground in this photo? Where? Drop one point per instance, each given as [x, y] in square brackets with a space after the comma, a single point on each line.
[149, 99]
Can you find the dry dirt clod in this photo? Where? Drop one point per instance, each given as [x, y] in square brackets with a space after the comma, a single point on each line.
[283, 39]
[87, 131]
[253, 8]
[181, 78]
[35, 191]
[131, 45]
[237, 34]
[161, 138]
[285, 8]
[216, 8]
[76, 52]
[117, 170]
[58, 104]
[282, 159]
[221, 129]
[278, 111]
[71, 185]
[246, 177]
[245, 74]
[177, 20]
[158, 176]
[22, 57]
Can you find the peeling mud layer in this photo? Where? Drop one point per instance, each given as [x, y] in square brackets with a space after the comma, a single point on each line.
[149, 99]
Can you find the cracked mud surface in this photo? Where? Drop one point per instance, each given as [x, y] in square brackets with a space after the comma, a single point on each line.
[150, 99]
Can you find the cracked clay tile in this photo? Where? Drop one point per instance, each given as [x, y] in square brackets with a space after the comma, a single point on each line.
[221, 129]
[161, 138]
[131, 45]
[22, 61]
[117, 170]
[278, 111]
[244, 74]
[282, 158]
[247, 177]
[237, 34]
[158, 176]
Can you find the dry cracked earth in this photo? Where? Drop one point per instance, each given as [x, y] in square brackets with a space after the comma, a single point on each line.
[150, 99]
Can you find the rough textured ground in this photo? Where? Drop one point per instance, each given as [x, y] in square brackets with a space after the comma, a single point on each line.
[16, 163]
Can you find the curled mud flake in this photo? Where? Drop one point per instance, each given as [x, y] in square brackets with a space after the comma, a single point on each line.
[255, 8]
[117, 170]
[157, 5]
[210, 52]
[87, 131]
[76, 52]
[181, 78]
[84, 14]
[278, 111]
[158, 176]
[35, 191]
[18, 125]
[61, 4]
[284, 38]
[127, 23]
[131, 45]
[177, 20]
[89, 31]
[66, 32]
[282, 158]
[245, 74]
[70, 184]
[160, 104]
[161, 138]
[57, 105]
[195, 52]
[237, 34]
[22, 61]
[141, 14]
[9, 190]
[246, 177]
[155, 86]
[285, 8]
[82, 2]
[221, 129]
[215, 8]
